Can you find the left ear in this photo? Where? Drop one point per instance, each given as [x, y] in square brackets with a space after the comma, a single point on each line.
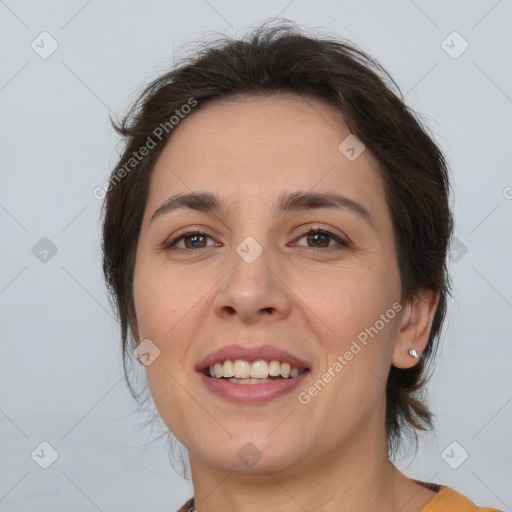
[414, 330]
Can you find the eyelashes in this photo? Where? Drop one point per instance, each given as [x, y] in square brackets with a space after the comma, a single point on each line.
[194, 238]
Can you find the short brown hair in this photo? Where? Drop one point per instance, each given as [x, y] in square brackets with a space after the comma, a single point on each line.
[281, 58]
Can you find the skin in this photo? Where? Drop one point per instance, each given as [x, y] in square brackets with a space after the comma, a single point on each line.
[328, 454]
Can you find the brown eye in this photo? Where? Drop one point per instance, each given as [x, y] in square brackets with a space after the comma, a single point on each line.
[319, 239]
[191, 239]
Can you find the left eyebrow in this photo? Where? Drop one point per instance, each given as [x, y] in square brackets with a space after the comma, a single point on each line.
[298, 201]
[288, 202]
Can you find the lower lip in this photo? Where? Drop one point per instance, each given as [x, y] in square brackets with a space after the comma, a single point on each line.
[251, 393]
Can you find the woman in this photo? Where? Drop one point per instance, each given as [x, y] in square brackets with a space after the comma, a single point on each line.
[275, 238]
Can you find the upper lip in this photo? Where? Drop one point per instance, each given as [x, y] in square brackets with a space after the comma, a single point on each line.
[251, 354]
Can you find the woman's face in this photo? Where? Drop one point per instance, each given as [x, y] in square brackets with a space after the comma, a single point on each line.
[254, 278]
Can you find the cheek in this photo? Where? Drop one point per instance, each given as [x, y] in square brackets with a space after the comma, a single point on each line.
[356, 312]
[347, 302]
[357, 325]
[160, 298]
[163, 302]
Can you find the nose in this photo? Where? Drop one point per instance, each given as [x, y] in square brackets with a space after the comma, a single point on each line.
[253, 292]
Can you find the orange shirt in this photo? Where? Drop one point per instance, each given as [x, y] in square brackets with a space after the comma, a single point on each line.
[447, 500]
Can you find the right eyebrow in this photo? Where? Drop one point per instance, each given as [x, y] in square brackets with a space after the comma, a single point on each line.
[202, 201]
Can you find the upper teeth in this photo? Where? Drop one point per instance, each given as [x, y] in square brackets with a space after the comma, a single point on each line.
[258, 370]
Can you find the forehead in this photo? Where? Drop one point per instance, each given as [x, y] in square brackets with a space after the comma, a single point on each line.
[252, 149]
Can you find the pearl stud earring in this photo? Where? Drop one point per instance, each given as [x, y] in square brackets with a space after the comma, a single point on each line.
[413, 353]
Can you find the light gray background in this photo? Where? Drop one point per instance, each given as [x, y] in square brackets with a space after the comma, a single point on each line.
[60, 366]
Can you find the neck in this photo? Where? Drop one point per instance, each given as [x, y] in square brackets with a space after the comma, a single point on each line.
[356, 476]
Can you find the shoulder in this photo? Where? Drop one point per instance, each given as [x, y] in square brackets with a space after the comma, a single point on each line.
[449, 500]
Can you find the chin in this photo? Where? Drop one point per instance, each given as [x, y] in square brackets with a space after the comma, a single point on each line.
[260, 464]
[254, 454]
